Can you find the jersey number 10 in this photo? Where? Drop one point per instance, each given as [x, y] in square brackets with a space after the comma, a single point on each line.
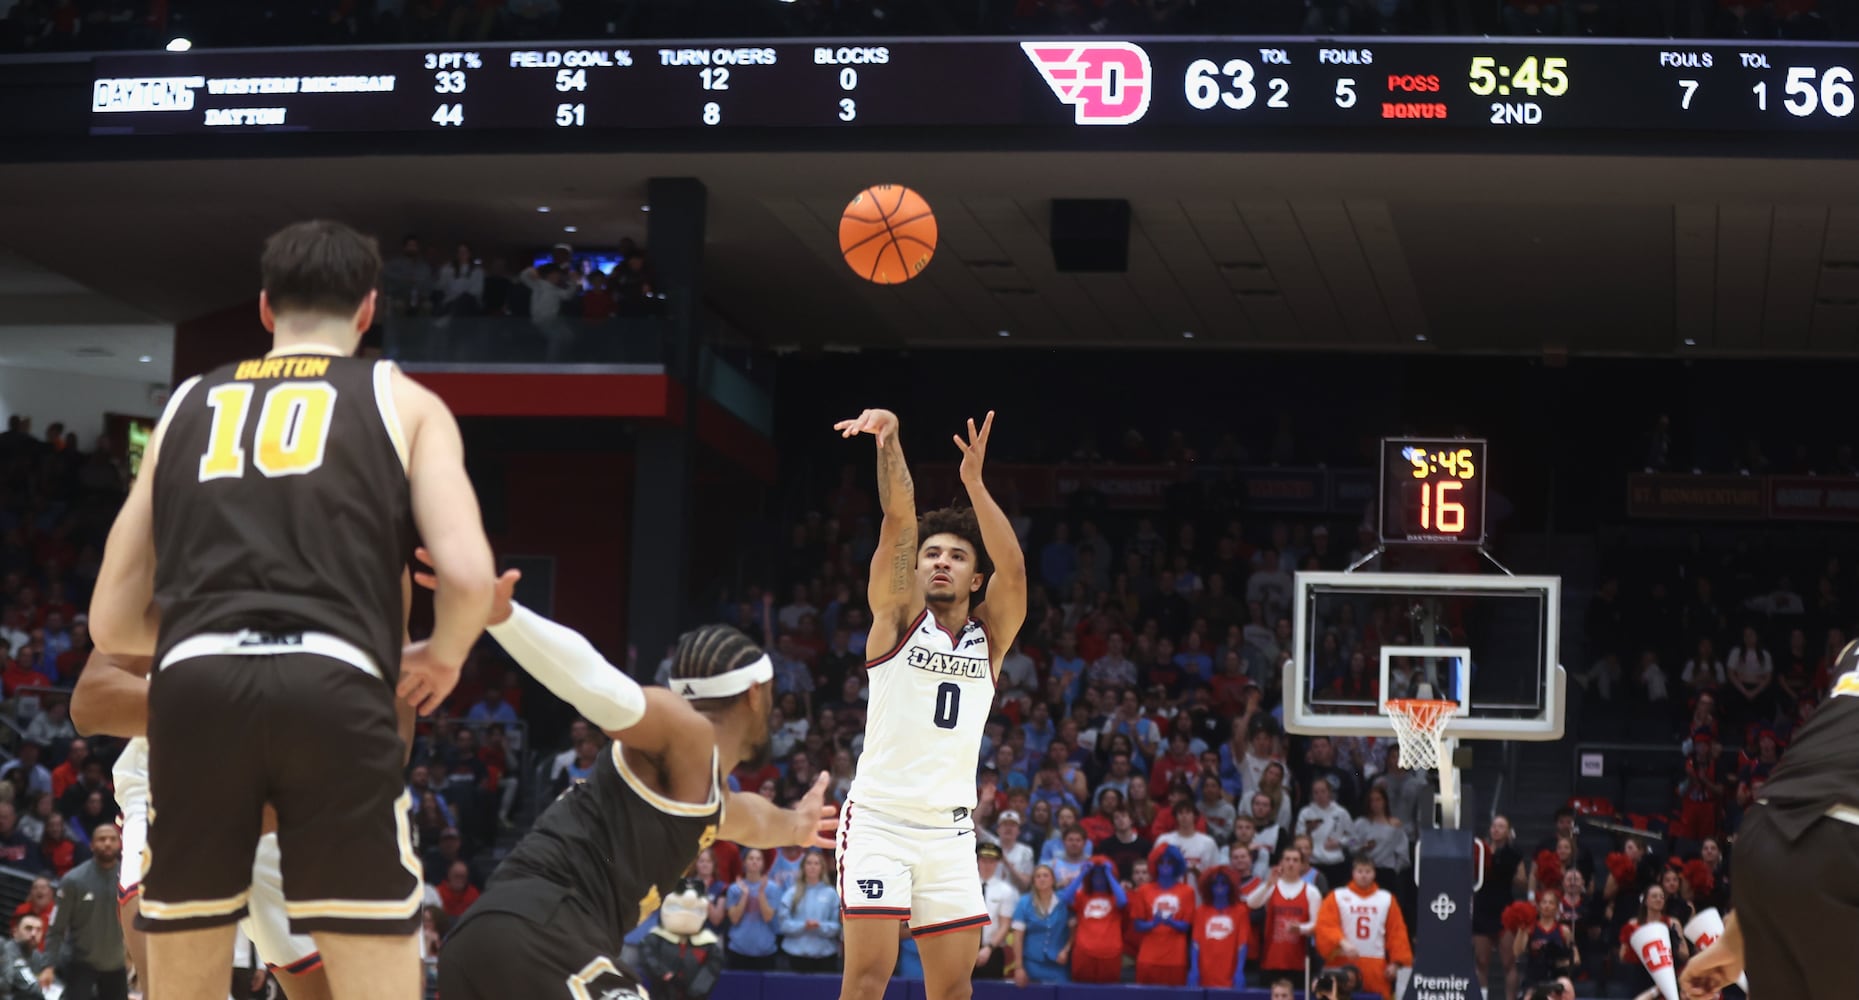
[948, 705]
[293, 429]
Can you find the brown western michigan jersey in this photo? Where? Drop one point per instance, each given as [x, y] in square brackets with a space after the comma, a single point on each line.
[281, 504]
[612, 841]
[1821, 768]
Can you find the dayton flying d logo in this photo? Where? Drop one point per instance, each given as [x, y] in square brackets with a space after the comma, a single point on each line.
[1107, 83]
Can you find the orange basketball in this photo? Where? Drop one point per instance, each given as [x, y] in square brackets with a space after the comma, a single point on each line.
[888, 234]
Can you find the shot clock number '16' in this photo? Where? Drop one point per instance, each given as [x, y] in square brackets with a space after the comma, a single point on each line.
[1438, 512]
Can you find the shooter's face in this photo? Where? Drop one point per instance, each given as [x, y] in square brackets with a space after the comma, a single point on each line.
[946, 569]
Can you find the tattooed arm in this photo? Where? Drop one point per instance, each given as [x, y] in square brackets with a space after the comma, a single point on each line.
[893, 591]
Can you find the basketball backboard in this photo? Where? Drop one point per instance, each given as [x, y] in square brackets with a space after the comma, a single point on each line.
[1487, 642]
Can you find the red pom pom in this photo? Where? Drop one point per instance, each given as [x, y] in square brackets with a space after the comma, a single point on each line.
[1699, 876]
[1518, 916]
[1622, 869]
[1548, 870]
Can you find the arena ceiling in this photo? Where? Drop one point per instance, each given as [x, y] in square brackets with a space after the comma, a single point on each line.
[1398, 252]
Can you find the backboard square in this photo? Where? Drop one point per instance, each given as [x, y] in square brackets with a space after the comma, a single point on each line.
[1501, 633]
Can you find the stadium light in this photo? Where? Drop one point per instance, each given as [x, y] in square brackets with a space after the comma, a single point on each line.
[179, 45]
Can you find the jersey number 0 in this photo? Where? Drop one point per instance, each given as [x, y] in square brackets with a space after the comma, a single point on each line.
[948, 705]
[293, 429]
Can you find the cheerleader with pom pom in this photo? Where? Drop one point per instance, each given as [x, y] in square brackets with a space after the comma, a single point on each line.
[1545, 946]
[1652, 910]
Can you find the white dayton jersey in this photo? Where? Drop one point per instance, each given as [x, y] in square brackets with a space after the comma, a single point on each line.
[1365, 920]
[929, 703]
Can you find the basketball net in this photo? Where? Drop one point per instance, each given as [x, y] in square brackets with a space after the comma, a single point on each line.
[1420, 725]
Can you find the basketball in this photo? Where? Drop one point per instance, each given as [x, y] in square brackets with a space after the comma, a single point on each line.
[887, 234]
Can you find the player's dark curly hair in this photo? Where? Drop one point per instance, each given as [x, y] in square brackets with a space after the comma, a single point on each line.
[960, 522]
[711, 650]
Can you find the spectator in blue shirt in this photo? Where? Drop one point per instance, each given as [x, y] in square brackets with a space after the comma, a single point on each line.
[1048, 789]
[1194, 659]
[1059, 559]
[784, 867]
[1041, 920]
[1068, 666]
[1076, 853]
[810, 919]
[493, 708]
[1039, 730]
[26, 772]
[751, 909]
[909, 960]
[790, 673]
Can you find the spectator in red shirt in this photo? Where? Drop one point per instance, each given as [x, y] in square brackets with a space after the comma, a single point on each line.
[456, 893]
[1163, 912]
[19, 672]
[751, 780]
[597, 301]
[65, 775]
[1178, 762]
[39, 902]
[1099, 899]
[1222, 929]
[61, 852]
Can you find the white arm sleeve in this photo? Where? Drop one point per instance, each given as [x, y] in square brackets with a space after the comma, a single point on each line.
[572, 669]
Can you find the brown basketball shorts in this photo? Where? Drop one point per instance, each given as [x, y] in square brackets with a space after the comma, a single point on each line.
[311, 733]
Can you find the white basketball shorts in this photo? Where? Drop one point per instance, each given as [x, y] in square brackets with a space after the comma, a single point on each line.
[897, 870]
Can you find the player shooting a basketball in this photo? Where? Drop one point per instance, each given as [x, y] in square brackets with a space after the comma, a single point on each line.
[906, 836]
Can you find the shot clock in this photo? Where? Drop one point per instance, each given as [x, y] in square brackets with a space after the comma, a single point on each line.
[1433, 491]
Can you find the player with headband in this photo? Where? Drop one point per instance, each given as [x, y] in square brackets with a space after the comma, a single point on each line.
[599, 860]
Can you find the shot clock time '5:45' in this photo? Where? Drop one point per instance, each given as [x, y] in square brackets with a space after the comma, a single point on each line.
[1432, 491]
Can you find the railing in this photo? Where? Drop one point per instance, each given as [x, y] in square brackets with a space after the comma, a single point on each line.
[564, 344]
[1621, 763]
[15, 886]
[27, 702]
[439, 342]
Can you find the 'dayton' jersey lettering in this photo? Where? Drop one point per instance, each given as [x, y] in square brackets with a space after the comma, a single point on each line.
[929, 703]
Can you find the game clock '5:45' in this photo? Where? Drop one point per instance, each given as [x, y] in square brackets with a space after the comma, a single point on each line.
[1548, 76]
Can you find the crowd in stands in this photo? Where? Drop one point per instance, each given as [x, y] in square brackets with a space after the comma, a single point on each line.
[79, 25]
[1140, 807]
[420, 281]
[1138, 727]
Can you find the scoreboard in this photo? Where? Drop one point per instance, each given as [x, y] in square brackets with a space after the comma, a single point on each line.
[1143, 84]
